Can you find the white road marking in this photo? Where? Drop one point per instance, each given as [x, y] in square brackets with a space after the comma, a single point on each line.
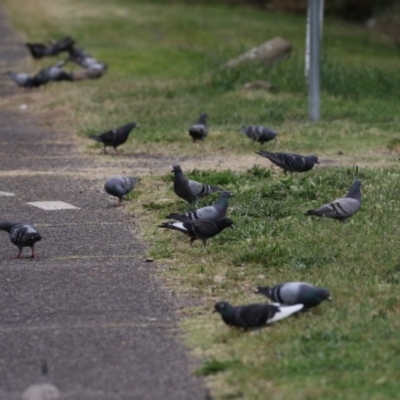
[53, 205]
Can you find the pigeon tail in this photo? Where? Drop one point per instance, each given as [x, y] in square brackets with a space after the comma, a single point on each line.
[285, 311]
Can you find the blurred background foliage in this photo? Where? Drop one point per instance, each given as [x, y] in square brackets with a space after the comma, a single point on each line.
[382, 14]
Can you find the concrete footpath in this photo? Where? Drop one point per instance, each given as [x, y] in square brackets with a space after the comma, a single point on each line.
[88, 304]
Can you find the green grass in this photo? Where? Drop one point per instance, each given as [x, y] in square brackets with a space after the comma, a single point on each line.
[164, 69]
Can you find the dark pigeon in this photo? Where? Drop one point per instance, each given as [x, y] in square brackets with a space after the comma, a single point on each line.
[254, 315]
[290, 161]
[342, 208]
[260, 134]
[43, 390]
[40, 50]
[114, 137]
[190, 190]
[199, 130]
[217, 210]
[119, 186]
[22, 235]
[202, 229]
[290, 293]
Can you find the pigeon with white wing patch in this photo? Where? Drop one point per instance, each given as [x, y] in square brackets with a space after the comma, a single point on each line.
[254, 315]
[202, 229]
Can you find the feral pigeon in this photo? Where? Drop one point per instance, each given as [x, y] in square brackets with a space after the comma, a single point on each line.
[119, 186]
[342, 208]
[254, 315]
[190, 190]
[56, 73]
[260, 134]
[217, 210]
[85, 60]
[39, 50]
[42, 390]
[202, 229]
[290, 161]
[199, 130]
[290, 293]
[114, 137]
[20, 78]
[22, 235]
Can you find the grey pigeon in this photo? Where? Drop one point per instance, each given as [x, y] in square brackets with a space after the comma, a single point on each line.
[342, 208]
[190, 190]
[290, 293]
[119, 186]
[254, 315]
[39, 50]
[290, 161]
[202, 229]
[20, 78]
[42, 390]
[260, 134]
[115, 137]
[56, 73]
[85, 60]
[199, 130]
[22, 235]
[217, 210]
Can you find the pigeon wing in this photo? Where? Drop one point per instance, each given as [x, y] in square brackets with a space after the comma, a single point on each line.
[341, 208]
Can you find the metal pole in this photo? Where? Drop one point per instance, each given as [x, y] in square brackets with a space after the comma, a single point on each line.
[313, 79]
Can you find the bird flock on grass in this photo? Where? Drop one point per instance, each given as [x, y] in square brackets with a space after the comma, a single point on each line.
[199, 223]
[90, 67]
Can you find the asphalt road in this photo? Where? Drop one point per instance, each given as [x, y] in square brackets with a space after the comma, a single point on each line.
[88, 304]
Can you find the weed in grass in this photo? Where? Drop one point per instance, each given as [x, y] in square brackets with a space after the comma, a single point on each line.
[214, 366]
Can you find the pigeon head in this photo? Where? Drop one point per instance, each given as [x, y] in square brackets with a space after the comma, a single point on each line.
[225, 195]
[176, 168]
[317, 295]
[313, 158]
[6, 226]
[221, 307]
[203, 118]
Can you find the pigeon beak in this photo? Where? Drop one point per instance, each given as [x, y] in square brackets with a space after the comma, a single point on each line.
[232, 227]
[214, 311]
[329, 298]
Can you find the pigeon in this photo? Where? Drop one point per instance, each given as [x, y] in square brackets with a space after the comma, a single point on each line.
[119, 186]
[202, 229]
[39, 50]
[290, 293]
[254, 315]
[260, 134]
[56, 73]
[114, 137]
[190, 190]
[217, 210]
[43, 390]
[342, 208]
[22, 235]
[199, 130]
[20, 78]
[85, 60]
[290, 161]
